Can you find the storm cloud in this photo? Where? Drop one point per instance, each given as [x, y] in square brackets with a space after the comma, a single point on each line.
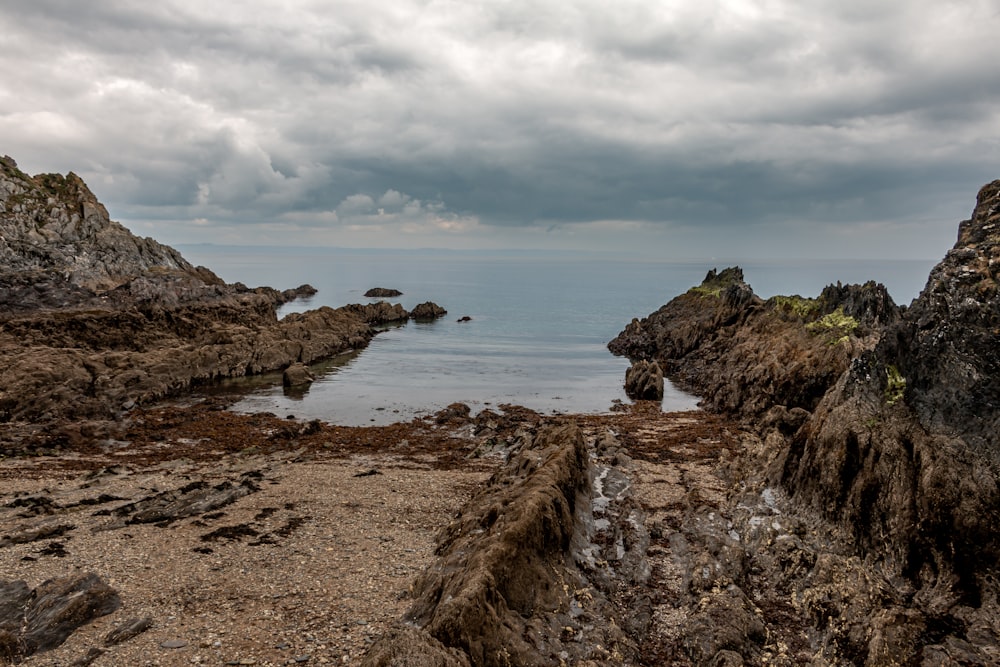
[760, 126]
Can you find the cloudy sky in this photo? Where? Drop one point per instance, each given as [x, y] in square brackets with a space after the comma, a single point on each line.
[756, 128]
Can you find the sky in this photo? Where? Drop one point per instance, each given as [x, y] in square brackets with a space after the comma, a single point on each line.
[666, 128]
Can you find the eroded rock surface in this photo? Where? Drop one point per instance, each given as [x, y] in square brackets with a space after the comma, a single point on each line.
[41, 619]
[427, 310]
[871, 498]
[534, 570]
[94, 320]
[644, 381]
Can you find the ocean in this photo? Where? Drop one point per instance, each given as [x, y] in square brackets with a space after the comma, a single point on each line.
[540, 323]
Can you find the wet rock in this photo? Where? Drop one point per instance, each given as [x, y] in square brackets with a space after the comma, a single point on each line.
[297, 375]
[464, 318]
[644, 381]
[427, 310]
[382, 292]
[128, 630]
[41, 619]
[454, 412]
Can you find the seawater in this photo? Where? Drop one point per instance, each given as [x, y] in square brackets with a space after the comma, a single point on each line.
[537, 336]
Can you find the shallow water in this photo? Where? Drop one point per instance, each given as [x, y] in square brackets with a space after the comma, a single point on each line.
[538, 333]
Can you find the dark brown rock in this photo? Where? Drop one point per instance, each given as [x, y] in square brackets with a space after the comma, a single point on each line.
[41, 619]
[427, 310]
[381, 312]
[128, 630]
[644, 381]
[297, 375]
[382, 292]
[406, 646]
[518, 559]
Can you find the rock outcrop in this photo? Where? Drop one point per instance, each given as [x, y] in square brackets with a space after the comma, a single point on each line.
[644, 381]
[745, 355]
[525, 574]
[54, 229]
[880, 423]
[382, 293]
[428, 310]
[94, 320]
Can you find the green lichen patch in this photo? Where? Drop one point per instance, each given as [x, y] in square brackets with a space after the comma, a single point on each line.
[895, 385]
[795, 306]
[835, 327]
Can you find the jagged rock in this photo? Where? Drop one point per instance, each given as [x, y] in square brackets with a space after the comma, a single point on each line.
[297, 375]
[53, 223]
[95, 321]
[517, 579]
[382, 292]
[377, 313]
[302, 291]
[881, 425]
[194, 498]
[427, 310]
[644, 381]
[743, 355]
[41, 619]
[454, 412]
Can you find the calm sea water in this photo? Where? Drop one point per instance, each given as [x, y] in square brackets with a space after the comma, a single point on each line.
[539, 329]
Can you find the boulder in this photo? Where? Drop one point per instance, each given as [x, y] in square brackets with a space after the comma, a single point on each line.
[297, 375]
[41, 619]
[644, 381]
[382, 293]
[427, 310]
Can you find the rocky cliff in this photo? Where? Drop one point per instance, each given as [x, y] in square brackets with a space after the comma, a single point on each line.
[53, 228]
[95, 320]
[878, 422]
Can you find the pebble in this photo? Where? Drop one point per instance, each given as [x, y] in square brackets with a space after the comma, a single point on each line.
[174, 643]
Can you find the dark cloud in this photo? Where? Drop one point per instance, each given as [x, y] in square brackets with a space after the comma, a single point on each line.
[473, 123]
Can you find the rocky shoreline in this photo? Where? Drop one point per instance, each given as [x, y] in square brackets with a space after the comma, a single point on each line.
[834, 503]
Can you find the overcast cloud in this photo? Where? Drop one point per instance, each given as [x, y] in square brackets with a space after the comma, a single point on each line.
[756, 127]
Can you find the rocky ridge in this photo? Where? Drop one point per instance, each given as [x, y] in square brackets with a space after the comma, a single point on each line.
[95, 320]
[879, 425]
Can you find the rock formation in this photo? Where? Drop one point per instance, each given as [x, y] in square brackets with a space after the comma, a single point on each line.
[535, 569]
[644, 381]
[55, 229]
[297, 375]
[427, 310]
[94, 320]
[41, 619]
[382, 292]
[881, 422]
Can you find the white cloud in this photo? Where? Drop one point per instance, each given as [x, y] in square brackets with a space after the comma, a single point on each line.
[461, 118]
